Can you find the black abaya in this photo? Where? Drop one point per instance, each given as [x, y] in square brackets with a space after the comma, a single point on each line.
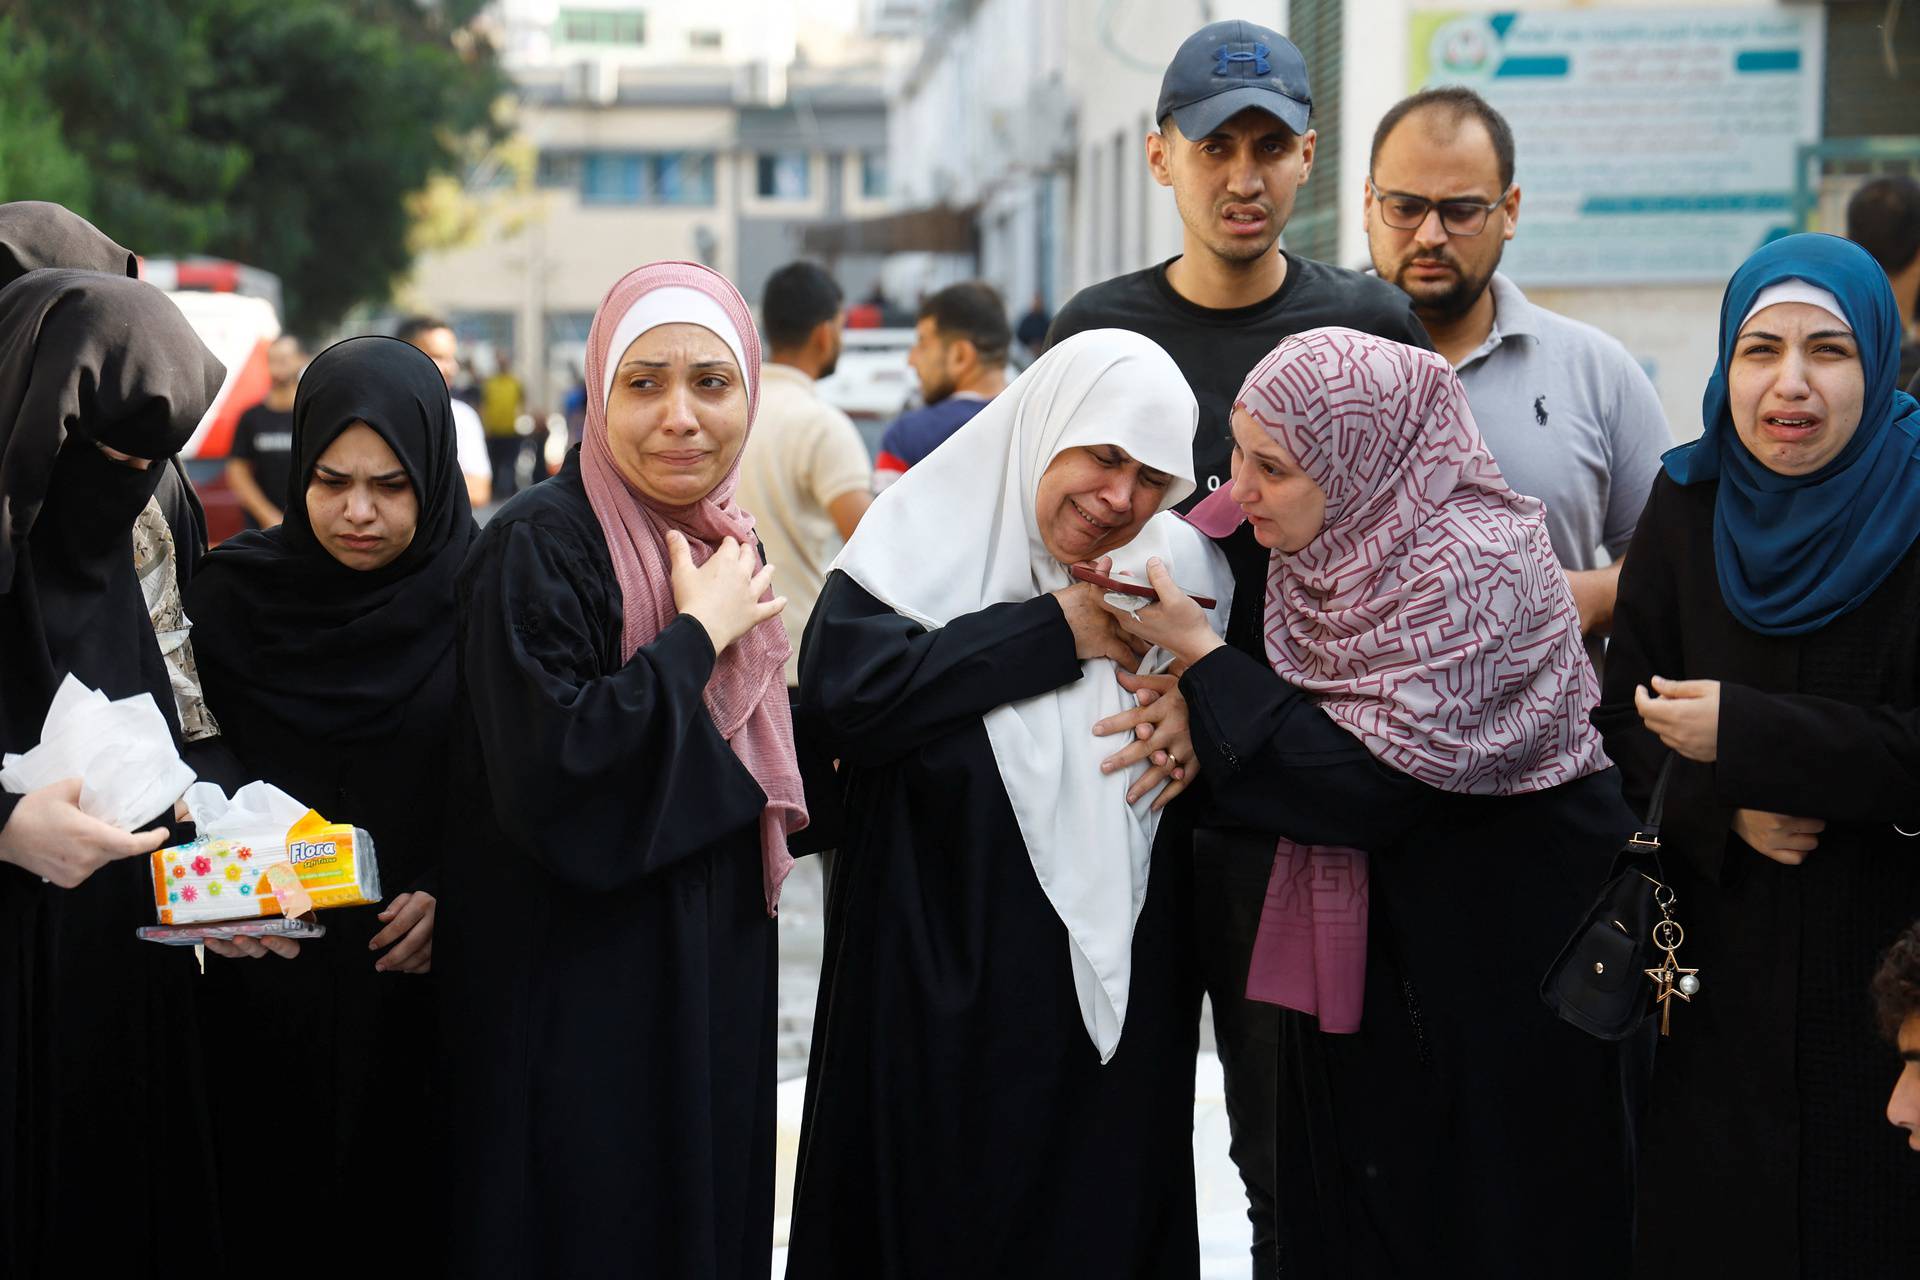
[958, 1119]
[604, 951]
[102, 1118]
[336, 685]
[1464, 1130]
[1766, 1150]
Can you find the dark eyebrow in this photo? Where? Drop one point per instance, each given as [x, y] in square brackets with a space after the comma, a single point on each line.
[1761, 333]
[1832, 333]
[1281, 134]
[1472, 197]
[345, 475]
[667, 364]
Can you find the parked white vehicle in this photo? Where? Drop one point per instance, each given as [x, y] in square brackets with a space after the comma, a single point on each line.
[873, 382]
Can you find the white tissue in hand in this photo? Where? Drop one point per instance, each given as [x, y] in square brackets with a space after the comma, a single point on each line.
[122, 752]
[258, 811]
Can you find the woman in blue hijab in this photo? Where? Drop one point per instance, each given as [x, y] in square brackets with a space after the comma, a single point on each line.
[1767, 636]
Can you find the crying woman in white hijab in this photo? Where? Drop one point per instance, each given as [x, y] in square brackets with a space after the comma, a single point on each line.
[1002, 1008]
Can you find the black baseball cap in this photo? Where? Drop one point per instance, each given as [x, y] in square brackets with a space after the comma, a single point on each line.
[1225, 68]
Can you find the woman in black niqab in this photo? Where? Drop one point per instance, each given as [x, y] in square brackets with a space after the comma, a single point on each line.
[336, 684]
[100, 1079]
[37, 235]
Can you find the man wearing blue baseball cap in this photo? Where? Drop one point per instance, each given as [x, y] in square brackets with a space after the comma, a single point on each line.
[1234, 145]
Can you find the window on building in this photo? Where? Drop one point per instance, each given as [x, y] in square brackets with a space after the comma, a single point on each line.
[557, 170]
[873, 174]
[643, 177]
[682, 177]
[703, 39]
[1314, 229]
[603, 26]
[612, 177]
[567, 341]
[784, 175]
[484, 336]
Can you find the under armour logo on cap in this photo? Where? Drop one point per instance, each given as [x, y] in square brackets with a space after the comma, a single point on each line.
[1228, 57]
[1225, 68]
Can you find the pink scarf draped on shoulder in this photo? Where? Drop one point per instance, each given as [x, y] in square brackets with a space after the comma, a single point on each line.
[747, 693]
[1430, 619]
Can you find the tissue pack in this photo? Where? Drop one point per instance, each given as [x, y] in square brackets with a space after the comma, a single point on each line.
[318, 864]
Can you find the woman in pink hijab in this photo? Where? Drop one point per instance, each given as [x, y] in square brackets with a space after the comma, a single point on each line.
[1412, 756]
[624, 785]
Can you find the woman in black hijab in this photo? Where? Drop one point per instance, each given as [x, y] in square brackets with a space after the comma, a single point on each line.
[101, 381]
[325, 647]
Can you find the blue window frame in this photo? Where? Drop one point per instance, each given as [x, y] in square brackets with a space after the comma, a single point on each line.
[642, 177]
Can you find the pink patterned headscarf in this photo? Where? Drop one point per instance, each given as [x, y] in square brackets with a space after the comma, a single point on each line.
[1429, 618]
[747, 693]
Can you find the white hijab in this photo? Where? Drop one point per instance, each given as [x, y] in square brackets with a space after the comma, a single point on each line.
[958, 533]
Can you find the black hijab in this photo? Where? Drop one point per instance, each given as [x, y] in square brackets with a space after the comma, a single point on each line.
[36, 235]
[85, 360]
[282, 628]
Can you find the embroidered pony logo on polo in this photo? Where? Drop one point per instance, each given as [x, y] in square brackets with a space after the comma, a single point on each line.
[1228, 58]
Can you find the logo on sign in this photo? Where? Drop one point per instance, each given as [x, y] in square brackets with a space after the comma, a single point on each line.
[1228, 58]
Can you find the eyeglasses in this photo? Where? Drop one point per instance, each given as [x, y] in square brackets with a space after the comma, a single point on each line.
[1409, 213]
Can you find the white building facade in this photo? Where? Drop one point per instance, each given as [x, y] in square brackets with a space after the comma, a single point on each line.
[652, 131]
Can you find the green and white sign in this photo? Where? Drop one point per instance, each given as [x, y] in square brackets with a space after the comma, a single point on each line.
[1653, 146]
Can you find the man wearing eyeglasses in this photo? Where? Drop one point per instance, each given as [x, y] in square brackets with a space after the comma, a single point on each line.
[1570, 416]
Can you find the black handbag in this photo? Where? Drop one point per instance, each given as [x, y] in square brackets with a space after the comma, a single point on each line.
[1621, 961]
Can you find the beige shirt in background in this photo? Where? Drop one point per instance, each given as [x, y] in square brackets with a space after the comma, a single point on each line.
[802, 455]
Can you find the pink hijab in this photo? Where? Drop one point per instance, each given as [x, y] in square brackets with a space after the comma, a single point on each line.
[1430, 619]
[746, 695]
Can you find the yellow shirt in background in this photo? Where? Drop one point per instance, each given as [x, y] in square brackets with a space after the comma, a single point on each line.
[500, 398]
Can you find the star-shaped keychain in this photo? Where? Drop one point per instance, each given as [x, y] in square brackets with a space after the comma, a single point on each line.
[1670, 978]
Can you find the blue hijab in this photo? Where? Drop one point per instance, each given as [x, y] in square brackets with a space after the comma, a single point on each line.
[1796, 552]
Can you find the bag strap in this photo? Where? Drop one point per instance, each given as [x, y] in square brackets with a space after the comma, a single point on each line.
[1650, 832]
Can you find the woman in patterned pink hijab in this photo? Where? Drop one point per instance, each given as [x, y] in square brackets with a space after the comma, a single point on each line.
[1424, 758]
[1429, 615]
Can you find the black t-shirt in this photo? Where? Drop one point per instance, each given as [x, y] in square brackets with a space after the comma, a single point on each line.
[1216, 349]
[264, 437]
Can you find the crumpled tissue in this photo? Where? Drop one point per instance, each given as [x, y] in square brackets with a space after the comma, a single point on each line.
[122, 752]
[257, 811]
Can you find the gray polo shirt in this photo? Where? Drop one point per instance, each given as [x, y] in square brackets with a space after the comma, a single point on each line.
[1572, 420]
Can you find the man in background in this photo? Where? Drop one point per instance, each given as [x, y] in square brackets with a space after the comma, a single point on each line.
[260, 465]
[435, 337]
[959, 354]
[1569, 415]
[501, 399]
[805, 479]
[1032, 329]
[1884, 219]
